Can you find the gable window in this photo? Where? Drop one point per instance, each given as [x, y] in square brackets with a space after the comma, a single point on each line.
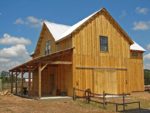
[134, 54]
[48, 47]
[104, 43]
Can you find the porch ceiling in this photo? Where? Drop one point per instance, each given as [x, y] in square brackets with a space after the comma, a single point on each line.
[46, 59]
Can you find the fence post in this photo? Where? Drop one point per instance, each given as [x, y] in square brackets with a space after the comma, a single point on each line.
[89, 93]
[0, 84]
[123, 102]
[104, 100]
[74, 94]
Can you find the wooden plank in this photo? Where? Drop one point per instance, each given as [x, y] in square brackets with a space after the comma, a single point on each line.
[12, 81]
[22, 81]
[61, 62]
[16, 83]
[29, 83]
[102, 68]
[39, 82]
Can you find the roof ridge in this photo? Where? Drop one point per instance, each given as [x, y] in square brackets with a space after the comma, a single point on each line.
[70, 28]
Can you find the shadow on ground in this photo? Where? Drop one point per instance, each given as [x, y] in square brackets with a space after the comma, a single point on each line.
[137, 111]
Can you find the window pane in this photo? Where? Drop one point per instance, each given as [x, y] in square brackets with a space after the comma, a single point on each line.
[47, 47]
[104, 43]
[134, 54]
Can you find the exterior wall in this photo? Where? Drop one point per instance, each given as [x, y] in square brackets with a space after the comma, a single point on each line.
[62, 73]
[87, 53]
[110, 71]
[136, 74]
[55, 79]
[64, 44]
[55, 46]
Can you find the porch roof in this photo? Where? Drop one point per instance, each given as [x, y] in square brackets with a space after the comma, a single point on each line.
[46, 59]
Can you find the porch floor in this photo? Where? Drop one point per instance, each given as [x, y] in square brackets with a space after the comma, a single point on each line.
[56, 97]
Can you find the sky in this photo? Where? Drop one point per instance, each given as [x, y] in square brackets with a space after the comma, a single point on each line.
[21, 21]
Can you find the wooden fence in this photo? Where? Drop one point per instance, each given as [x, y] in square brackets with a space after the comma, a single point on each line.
[102, 98]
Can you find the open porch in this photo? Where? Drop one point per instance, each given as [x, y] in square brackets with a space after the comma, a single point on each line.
[49, 75]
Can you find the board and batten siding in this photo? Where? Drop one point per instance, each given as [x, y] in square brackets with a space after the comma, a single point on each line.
[55, 46]
[136, 74]
[87, 53]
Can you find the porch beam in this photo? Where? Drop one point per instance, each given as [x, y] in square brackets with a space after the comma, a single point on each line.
[43, 67]
[62, 62]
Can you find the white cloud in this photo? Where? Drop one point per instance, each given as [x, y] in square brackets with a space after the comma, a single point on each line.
[147, 65]
[141, 10]
[30, 21]
[19, 21]
[13, 56]
[34, 22]
[4, 60]
[12, 40]
[14, 51]
[5, 66]
[147, 61]
[147, 56]
[148, 47]
[141, 25]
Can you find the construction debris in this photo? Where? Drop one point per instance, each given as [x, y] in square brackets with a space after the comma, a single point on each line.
[5, 93]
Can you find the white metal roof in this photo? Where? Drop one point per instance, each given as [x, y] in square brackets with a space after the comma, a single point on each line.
[56, 29]
[60, 31]
[136, 47]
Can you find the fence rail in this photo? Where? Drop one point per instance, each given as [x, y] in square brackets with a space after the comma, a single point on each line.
[101, 98]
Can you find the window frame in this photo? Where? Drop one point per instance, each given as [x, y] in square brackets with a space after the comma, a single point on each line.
[48, 47]
[103, 44]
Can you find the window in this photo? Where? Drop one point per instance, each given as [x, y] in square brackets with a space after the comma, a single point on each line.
[134, 54]
[103, 43]
[48, 47]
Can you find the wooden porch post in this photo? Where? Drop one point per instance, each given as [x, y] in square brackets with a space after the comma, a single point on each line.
[22, 81]
[29, 82]
[41, 68]
[16, 83]
[39, 80]
[12, 80]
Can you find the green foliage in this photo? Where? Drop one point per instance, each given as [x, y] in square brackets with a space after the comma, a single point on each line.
[4, 75]
[147, 77]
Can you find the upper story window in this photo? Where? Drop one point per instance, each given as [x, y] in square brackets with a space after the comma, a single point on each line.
[136, 54]
[48, 47]
[104, 43]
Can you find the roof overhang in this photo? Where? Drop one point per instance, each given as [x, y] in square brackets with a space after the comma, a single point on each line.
[54, 58]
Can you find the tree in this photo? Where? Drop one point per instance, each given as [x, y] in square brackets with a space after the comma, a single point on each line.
[147, 77]
[4, 75]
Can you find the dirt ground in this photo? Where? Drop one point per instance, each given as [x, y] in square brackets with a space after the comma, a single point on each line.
[15, 104]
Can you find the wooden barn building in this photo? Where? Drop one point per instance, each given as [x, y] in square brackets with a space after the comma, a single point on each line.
[94, 53]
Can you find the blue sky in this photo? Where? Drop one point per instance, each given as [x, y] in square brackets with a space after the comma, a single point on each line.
[20, 21]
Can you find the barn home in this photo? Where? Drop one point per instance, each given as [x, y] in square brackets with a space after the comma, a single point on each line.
[94, 53]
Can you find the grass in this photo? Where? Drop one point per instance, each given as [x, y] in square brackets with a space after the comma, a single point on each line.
[145, 104]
